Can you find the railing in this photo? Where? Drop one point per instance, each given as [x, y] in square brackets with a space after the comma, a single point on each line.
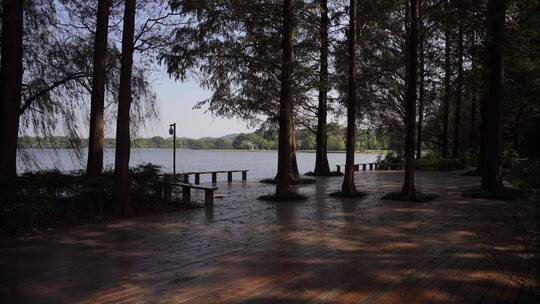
[372, 166]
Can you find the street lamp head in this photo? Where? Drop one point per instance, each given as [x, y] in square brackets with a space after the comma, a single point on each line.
[171, 130]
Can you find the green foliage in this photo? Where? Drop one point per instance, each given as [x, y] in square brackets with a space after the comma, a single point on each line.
[525, 174]
[434, 162]
[146, 185]
[51, 197]
[391, 161]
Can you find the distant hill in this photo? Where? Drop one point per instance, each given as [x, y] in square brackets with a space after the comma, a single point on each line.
[305, 140]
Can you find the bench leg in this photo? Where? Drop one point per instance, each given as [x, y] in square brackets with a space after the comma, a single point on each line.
[338, 168]
[186, 178]
[208, 198]
[197, 178]
[229, 177]
[363, 167]
[214, 177]
[244, 175]
[186, 194]
[356, 167]
[370, 166]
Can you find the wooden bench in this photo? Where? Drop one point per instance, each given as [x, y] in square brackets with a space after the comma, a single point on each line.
[186, 192]
[197, 175]
[357, 167]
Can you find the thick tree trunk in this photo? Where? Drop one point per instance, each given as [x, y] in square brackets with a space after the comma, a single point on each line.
[421, 90]
[492, 112]
[94, 165]
[11, 72]
[283, 183]
[321, 154]
[348, 185]
[123, 141]
[474, 86]
[447, 75]
[457, 109]
[409, 189]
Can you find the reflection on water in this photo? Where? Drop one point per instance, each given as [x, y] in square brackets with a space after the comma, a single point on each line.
[261, 164]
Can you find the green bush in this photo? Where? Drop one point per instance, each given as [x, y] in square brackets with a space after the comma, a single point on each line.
[52, 197]
[525, 173]
[21, 212]
[146, 185]
[434, 162]
[391, 161]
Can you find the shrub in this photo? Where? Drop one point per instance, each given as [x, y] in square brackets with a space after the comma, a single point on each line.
[433, 162]
[21, 212]
[525, 173]
[146, 186]
[391, 161]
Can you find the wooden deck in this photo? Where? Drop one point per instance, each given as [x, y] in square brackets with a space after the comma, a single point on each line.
[325, 250]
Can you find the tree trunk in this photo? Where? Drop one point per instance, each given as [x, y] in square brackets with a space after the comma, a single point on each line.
[410, 103]
[492, 113]
[295, 173]
[348, 181]
[11, 72]
[474, 84]
[123, 142]
[459, 94]
[447, 75]
[283, 183]
[421, 90]
[94, 165]
[321, 154]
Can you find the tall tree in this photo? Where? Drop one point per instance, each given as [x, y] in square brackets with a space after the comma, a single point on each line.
[348, 185]
[447, 76]
[494, 95]
[459, 89]
[421, 90]
[321, 155]
[474, 86]
[283, 183]
[94, 165]
[123, 141]
[11, 73]
[409, 189]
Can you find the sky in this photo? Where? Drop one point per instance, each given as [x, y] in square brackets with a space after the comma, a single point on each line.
[175, 105]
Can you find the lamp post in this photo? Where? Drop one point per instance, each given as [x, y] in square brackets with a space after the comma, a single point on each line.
[172, 131]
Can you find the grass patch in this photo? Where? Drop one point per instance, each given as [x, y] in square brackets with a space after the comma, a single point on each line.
[288, 197]
[301, 181]
[507, 194]
[331, 174]
[418, 196]
[341, 194]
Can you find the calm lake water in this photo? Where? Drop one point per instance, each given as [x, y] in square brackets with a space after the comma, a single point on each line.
[261, 164]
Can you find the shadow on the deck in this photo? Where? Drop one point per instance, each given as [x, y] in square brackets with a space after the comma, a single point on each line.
[245, 251]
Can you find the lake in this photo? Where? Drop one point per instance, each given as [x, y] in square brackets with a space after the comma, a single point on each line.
[261, 164]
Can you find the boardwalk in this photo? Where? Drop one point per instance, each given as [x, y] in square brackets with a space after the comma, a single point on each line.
[325, 250]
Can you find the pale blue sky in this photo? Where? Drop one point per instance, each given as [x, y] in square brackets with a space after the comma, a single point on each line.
[176, 101]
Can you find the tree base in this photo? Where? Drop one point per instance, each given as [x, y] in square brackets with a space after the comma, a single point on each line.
[301, 181]
[507, 194]
[331, 174]
[288, 197]
[418, 196]
[341, 194]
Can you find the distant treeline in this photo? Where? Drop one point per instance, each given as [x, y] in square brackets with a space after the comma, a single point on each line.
[258, 140]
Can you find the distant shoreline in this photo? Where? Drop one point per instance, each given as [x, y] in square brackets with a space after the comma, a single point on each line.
[213, 150]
